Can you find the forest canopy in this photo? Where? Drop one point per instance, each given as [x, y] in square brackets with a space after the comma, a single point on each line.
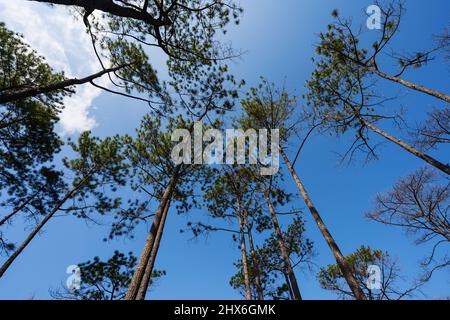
[316, 188]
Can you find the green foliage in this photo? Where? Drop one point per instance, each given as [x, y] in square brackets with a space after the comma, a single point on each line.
[338, 88]
[28, 142]
[359, 261]
[273, 272]
[101, 161]
[149, 153]
[137, 73]
[342, 95]
[26, 126]
[22, 67]
[268, 107]
[331, 277]
[37, 194]
[236, 193]
[186, 32]
[230, 189]
[105, 280]
[102, 171]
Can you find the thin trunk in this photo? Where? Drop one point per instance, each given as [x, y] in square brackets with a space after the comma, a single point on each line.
[248, 291]
[34, 91]
[282, 246]
[151, 262]
[288, 283]
[435, 163]
[340, 259]
[254, 257]
[413, 86]
[38, 228]
[23, 205]
[148, 247]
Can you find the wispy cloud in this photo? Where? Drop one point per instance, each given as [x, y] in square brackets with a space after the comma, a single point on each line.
[64, 43]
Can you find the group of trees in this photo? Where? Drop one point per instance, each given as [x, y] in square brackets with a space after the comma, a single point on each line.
[124, 180]
[115, 180]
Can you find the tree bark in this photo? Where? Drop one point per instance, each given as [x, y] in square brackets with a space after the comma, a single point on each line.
[38, 228]
[288, 283]
[110, 7]
[254, 258]
[435, 163]
[248, 291]
[340, 259]
[138, 275]
[413, 86]
[34, 91]
[282, 246]
[151, 262]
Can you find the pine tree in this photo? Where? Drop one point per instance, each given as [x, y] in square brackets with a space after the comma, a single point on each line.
[273, 274]
[270, 108]
[377, 274]
[342, 95]
[99, 171]
[104, 280]
[162, 180]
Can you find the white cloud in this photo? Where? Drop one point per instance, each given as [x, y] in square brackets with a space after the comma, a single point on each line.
[75, 117]
[54, 33]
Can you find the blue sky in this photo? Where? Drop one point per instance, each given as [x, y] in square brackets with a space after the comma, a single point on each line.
[278, 39]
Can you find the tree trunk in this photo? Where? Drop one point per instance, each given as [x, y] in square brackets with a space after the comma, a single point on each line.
[34, 91]
[340, 259]
[151, 262]
[288, 283]
[435, 163]
[413, 86]
[254, 258]
[248, 291]
[282, 246]
[110, 7]
[138, 275]
[38, 228]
